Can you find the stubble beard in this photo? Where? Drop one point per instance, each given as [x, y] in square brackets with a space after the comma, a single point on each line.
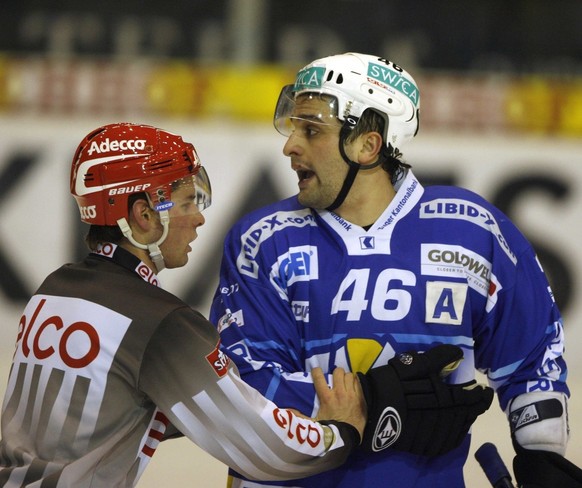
[319, 199]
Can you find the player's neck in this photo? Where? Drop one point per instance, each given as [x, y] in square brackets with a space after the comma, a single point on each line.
[363, 207]
[141, 254]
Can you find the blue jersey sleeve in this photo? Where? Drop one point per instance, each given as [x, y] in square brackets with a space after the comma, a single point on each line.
[521, 344]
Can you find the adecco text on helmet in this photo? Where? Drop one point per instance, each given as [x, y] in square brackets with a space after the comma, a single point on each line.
[124, 144]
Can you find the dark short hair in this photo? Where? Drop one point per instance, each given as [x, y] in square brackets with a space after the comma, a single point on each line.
[99, 234]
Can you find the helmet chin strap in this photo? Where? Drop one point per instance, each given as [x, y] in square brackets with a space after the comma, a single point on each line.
[153, 248]
[354, 167]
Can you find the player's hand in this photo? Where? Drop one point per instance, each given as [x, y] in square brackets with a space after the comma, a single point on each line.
[344, 401]
[411, 408]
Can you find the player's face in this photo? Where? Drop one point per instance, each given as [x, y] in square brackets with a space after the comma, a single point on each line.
[314, 152]
[185, 218]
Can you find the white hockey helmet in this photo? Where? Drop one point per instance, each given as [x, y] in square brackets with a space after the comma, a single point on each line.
[359, 82]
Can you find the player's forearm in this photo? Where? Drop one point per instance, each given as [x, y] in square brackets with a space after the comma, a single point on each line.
[266, 442]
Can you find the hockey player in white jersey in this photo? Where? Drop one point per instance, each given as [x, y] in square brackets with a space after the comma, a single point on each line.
[365, 264]
[108, 364]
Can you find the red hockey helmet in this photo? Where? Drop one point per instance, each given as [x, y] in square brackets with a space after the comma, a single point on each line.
[117, 160]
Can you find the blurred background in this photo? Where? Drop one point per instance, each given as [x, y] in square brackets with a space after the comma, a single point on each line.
[501, 114]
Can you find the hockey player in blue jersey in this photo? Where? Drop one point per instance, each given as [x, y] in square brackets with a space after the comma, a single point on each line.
[364, 264]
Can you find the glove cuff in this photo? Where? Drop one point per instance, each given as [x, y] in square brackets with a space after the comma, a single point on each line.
[349, 433]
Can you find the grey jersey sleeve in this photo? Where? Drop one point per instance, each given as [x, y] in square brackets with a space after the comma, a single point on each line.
[197, 387]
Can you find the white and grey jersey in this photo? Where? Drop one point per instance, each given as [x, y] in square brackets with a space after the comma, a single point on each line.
[107, 365]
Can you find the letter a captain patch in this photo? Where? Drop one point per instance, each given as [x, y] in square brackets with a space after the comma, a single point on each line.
[445, 302]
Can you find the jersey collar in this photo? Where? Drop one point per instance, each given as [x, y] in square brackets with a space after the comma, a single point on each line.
[127, 260]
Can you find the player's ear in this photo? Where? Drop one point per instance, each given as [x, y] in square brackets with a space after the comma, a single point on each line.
[371, 146]
[141, 214]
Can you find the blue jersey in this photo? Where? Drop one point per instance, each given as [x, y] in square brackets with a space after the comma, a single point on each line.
[301, 288]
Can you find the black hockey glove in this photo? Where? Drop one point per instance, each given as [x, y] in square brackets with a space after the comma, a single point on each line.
[411, 408]
[544, 469]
